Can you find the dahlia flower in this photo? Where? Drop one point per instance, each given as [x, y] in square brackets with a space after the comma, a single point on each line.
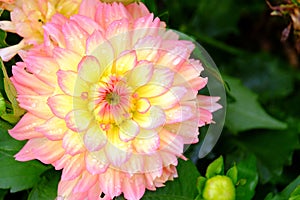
[27, 19]
[111, 99]
[120, 1]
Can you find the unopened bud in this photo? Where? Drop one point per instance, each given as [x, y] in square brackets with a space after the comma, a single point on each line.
[219, 188]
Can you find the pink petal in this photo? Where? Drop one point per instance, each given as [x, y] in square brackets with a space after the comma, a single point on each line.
[145, 26]
[94, 138]
[88, 8]
[60, 163]
[70, 83]
[58, 19]
[35, 105]
[107, 14]
[86, 182]
[209, 103]
[153, 165]
[134, 165]
[86, 23]
[174, 54]
[30, 81]
[67, 59]
[147, 142]
[134, 187]
[179, 114]
[65, 188]
[118, 35]
[53, 34]
[171, 142]
[25, 127]
[188, 130]
[39, 65]
[96, 162]
[42, 149]
[95, 192]
[205, 117]
[75, 37]
[73, 143]
[73, 168]
[21, 89]
[60, 105]
[147, 48]
[101, 48]
[53, 129]
[137, 10]
[110, 182]
[170, 98]
[168, 158]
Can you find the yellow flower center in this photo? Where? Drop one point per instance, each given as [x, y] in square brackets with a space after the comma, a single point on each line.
[112, 98]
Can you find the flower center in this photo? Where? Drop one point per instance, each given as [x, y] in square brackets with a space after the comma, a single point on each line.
[112, 98]
[111, 101]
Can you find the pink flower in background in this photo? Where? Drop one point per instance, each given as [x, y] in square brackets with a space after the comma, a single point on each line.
[27, 19]
[112, 99]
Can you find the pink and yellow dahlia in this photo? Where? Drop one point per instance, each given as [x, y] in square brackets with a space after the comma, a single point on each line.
[27, 19]
[120, 1]
[111, 99]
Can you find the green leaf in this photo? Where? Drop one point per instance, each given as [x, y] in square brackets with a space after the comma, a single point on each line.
[200, 184]
[292, 190]
[2, 194]
[233, 174]
[247, 177]
[18, 175]
[2, 38]
[46, 188]
[2, 105]
[183, 187]
[215, 168]
[245, 112]
[11, 93]
[273, 150]
[295, 194]
[268, 76]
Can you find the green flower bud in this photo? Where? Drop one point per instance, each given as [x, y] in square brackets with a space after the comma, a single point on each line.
[219, 188]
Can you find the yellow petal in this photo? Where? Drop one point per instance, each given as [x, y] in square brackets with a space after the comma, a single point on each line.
[140, 75]
[125, 63]
[89, 69]
[78, 120]
[152, 119]
[128, 130]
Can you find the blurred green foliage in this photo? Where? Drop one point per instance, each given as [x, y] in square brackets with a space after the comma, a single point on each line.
[263, 112]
